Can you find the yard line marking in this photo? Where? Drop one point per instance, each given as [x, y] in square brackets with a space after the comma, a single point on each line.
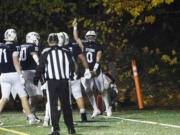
[15, 126]
[13, 131]
[145, 122]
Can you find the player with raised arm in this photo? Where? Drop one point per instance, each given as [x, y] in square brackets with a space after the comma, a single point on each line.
[29, 60]
[75, 83]
[93, 52]
[11, 74]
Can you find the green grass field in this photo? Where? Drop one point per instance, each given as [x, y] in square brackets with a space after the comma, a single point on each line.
[127, 122]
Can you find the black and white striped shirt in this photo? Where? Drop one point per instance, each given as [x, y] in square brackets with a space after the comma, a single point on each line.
[56, 63]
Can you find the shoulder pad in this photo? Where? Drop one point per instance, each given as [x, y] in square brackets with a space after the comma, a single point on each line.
[84, 41]
[27, 44]
[65, 49]
[74, 43]
[2, 44]
[45, 50]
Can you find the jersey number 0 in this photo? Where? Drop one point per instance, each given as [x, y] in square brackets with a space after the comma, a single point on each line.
[23, 55]
[89, 57]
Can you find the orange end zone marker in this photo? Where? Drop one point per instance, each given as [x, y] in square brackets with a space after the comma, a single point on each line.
[136, 80]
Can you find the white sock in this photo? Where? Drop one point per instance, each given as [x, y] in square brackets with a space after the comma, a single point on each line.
[47, 110]
[30, 101]
[59, 108]
[82, 110]
[93, 102]
[106, 99]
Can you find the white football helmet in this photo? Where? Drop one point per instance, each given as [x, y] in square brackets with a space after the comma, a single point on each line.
[10, 35]
[33, 38]
[63, 38]
[91, 36]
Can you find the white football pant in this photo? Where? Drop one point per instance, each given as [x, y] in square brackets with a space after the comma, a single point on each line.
[11, 81]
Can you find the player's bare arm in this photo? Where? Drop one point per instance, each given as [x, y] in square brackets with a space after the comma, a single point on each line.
[84, 61]
[75, 34]
[35, 57]
[17, 64]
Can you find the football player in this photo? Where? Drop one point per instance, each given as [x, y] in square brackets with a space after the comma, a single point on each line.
[29, 59]
[75, 83]
[11, 74]
[93, 53]
[111, 87]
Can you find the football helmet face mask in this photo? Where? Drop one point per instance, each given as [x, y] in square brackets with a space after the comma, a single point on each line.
[91, 36]
[10, 35]
[63, 38]
[33, 38]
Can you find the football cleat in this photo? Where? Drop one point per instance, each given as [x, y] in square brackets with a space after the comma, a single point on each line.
[109, 111]
[95, 113]
[83, 117]
[1, 123]
[71, 131]
[54, 133]
[34, 121]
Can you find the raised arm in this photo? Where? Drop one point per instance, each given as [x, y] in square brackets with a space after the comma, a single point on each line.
[75, 34]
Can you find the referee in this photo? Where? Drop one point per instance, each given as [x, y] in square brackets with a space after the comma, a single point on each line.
[57, 64]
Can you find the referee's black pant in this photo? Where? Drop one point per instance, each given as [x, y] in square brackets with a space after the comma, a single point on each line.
[59, 88]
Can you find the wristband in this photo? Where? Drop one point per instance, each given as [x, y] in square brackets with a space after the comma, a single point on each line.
[87, 70]
[75, 28]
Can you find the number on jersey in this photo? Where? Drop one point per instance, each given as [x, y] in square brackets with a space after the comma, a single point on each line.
[23, 55]
[89, 57]
[3, 53]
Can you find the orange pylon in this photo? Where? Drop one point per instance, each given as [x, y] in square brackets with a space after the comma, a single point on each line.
[136, 80]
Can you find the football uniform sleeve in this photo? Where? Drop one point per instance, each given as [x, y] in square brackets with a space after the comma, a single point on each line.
[99, 48]
[17, 48]
[77, 50]
[34, 48]
[15, 51]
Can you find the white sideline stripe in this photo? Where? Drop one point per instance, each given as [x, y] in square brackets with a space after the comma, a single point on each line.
[146, 122]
